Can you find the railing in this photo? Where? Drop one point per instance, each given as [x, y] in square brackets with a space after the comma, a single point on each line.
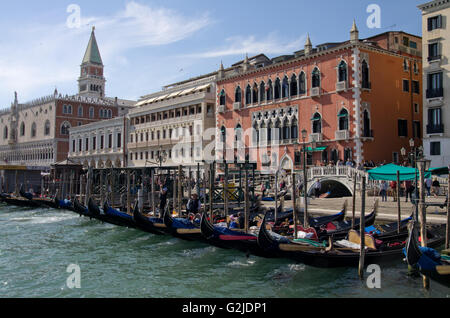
[221, 109]
[342, 135]
[345, 172]
[434, 58]
[368, 134]
[237, 106]
[315, 91]
[341, 86]
[435, 129]
[367, 85]
[318, 137]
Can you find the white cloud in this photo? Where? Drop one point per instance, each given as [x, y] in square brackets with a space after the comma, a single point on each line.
[239, 45]
[33, 59]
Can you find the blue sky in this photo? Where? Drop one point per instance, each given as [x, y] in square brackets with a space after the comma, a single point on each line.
[148, 44]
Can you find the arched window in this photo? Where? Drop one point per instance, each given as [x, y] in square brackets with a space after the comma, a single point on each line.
[285, 88]
[22, 129]
[294, 85]
[277, 131]
[80, 111]
[91, 112]
[365, 75]
[366, 123]
[317, 123]
[238, 95]
[248, 95]
[269, 132]
[223, 134]
[238, 133]
[262, 92]
[334, 155]
[325, 156]
[316, 78]
[347, 154]
[47, 128]
[33, 130]
[286, 129]
[255, 94]
[343, 119]
[255, 134]
[109, 113]
[302, 83]
[65, 128]
[277, 89]
[294, 129]
[222, 98]
[342, 70]
[269, 90]
[5, 132]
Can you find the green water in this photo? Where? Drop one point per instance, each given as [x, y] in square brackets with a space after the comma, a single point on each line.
[37, 246]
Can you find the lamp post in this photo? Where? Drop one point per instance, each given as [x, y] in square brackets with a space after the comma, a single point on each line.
[305, 180]
[415, 155]
[162, 157]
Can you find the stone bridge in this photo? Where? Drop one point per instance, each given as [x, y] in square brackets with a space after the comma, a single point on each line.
[341, 175]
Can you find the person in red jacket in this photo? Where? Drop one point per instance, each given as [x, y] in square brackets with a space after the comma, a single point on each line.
[393, 186]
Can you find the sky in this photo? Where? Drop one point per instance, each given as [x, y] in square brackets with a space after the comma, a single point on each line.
[148, 44]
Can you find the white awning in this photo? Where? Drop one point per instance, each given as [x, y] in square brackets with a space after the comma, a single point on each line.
[174, 94]
[202, 87]
[161, 98]
[187, 91]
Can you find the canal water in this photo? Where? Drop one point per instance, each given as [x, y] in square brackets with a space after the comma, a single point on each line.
[38, 246]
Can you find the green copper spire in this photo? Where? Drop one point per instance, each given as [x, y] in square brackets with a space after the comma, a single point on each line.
[92, 54]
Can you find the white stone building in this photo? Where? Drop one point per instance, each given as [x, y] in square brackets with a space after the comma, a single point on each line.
[436, 81]
[173, 124]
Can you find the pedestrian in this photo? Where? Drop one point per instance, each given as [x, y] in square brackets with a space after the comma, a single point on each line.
[435, 187]
[194, 206]
[162, 201]
[428, 184]
[383, 191]
[393, 186]
[409, 188]
[317, 187]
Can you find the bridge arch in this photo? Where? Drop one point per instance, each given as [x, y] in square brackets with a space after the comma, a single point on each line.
[340, 187]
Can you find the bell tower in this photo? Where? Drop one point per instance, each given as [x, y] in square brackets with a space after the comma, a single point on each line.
[92, 82]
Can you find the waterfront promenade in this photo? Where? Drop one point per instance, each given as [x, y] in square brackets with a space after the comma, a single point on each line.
[387, 211]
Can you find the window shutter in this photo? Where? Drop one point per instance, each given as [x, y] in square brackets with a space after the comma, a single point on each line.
[439, 22]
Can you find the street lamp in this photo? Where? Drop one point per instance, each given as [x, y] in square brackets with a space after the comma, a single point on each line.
[162, 157]
[305, 180]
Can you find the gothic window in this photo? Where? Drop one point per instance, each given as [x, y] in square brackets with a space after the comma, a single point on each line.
[248, 95]
[317, 123]
[47, 128]
[347, 154]
[80, 111]
[238, 95]
[269, 132]
[277, 131]
[343, 119]
[342, 70]
[302, 84]
[22, 129]
[316, 78]
[365, 75]
[238, 133]
[294, 129]
[223, 134]
[366, 124]
[91, 112]
[294, 85]
[65, 128]
[5, 132]
[334, 155]
[277, 89]
[255, 134]
[255, 94]
[222, 99]
[33, 130]
[285, 88]
[269, 90]
[286, 129]
[262, 92]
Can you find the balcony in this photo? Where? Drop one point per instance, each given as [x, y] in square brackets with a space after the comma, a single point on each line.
[342, 135]
[341, 86]
[237, 106]
[315, 91]
[435, 129]
[435, 92]
[221, 109]
[318, 137]
[434, 58]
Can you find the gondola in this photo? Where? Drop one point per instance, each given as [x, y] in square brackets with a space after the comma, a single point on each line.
[182, 228]
[80, 209]
[429, 261]
[336, 254]
[390, 231]
[43, 202]
[22, 202]
[148, 224]
[226, 238]
[94, 212]
[122, 218]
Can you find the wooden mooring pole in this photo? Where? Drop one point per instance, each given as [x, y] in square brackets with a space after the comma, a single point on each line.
[399, 210]
[423, 216]
[354, 203]
[294, 204]
[362, 231]
[447, 236]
